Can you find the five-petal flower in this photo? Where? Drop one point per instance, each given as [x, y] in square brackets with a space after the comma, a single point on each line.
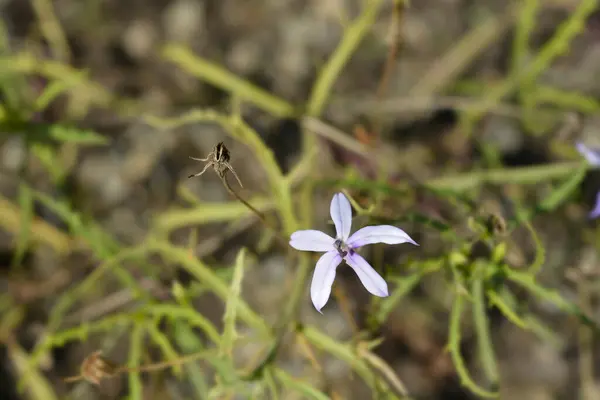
[343, 247]
[593, 157]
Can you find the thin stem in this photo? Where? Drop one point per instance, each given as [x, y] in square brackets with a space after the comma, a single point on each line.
[388, 68]
[260, 215]
[462, 182]
[382, 169]
[164, 364]
[585, 334]
[585, 344]
[145, 368]
[286, 321]
[381, 366]
[355, 33]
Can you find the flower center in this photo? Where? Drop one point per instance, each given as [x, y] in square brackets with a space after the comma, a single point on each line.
[342, 248]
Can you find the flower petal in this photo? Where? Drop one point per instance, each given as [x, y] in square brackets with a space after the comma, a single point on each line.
[595, 213]
[311, 240]
[591, 155]
[320, 288]
[370, 279]
[379, 234]
[341, 214]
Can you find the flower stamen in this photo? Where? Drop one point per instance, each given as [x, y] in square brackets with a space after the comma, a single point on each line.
[341, 247]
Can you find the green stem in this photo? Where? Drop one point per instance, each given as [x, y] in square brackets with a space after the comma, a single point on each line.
[454, 339]
[557, 46]
[332, 69]
[522, 175]
[527, 281]
[481, 320]
[470, 180]
[206, 275]
[227, 81]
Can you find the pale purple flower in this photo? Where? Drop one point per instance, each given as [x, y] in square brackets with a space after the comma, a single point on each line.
[343, 247]
[593, 157]
[595, 213]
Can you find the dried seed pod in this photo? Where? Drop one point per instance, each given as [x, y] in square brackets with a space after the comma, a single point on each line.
[218, 158]
[95, 368]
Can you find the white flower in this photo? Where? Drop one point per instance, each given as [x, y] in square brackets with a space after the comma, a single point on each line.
[343, 247]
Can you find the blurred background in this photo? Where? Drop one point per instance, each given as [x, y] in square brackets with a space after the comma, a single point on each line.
[443, 115]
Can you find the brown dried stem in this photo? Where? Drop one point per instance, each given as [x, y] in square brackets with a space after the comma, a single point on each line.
[95, 368]
[219, 159]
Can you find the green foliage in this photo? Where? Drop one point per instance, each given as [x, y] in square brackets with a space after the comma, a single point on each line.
[484, 338]
[521, 53]
[38, 387]
[26, 207]
[193, 319]
[476, 280]
[229, 319]
[454, 341]
[163, 343]
[304, 389]
[554, 48]
[135, 359]
[189, 342]
[219, 77]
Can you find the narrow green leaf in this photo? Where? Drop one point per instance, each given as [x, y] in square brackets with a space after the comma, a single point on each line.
[270, 384]
[161, 340]
[135, 358]
[188, 314]
[47, 156]
[404, 285]
[225, 80]
[575, 101]
[205, 275]
[13, 85]
[305, 389]
[484, 339]
[100, 242]
[498, 302]
[206, 213]
[231, 307]
[343, 352]
[528, 282]
[36, 384]
[454, 339]
[73, 293]
[227, 372]
[558, 45]
[540, 250]
[544, 332]
[566, 189]
[53, 90]
[462, 182]
[353, 36]
[189, 342]
[26, 210]
[75, 135]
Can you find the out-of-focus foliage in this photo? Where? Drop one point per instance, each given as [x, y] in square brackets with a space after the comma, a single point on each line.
[167, 333]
